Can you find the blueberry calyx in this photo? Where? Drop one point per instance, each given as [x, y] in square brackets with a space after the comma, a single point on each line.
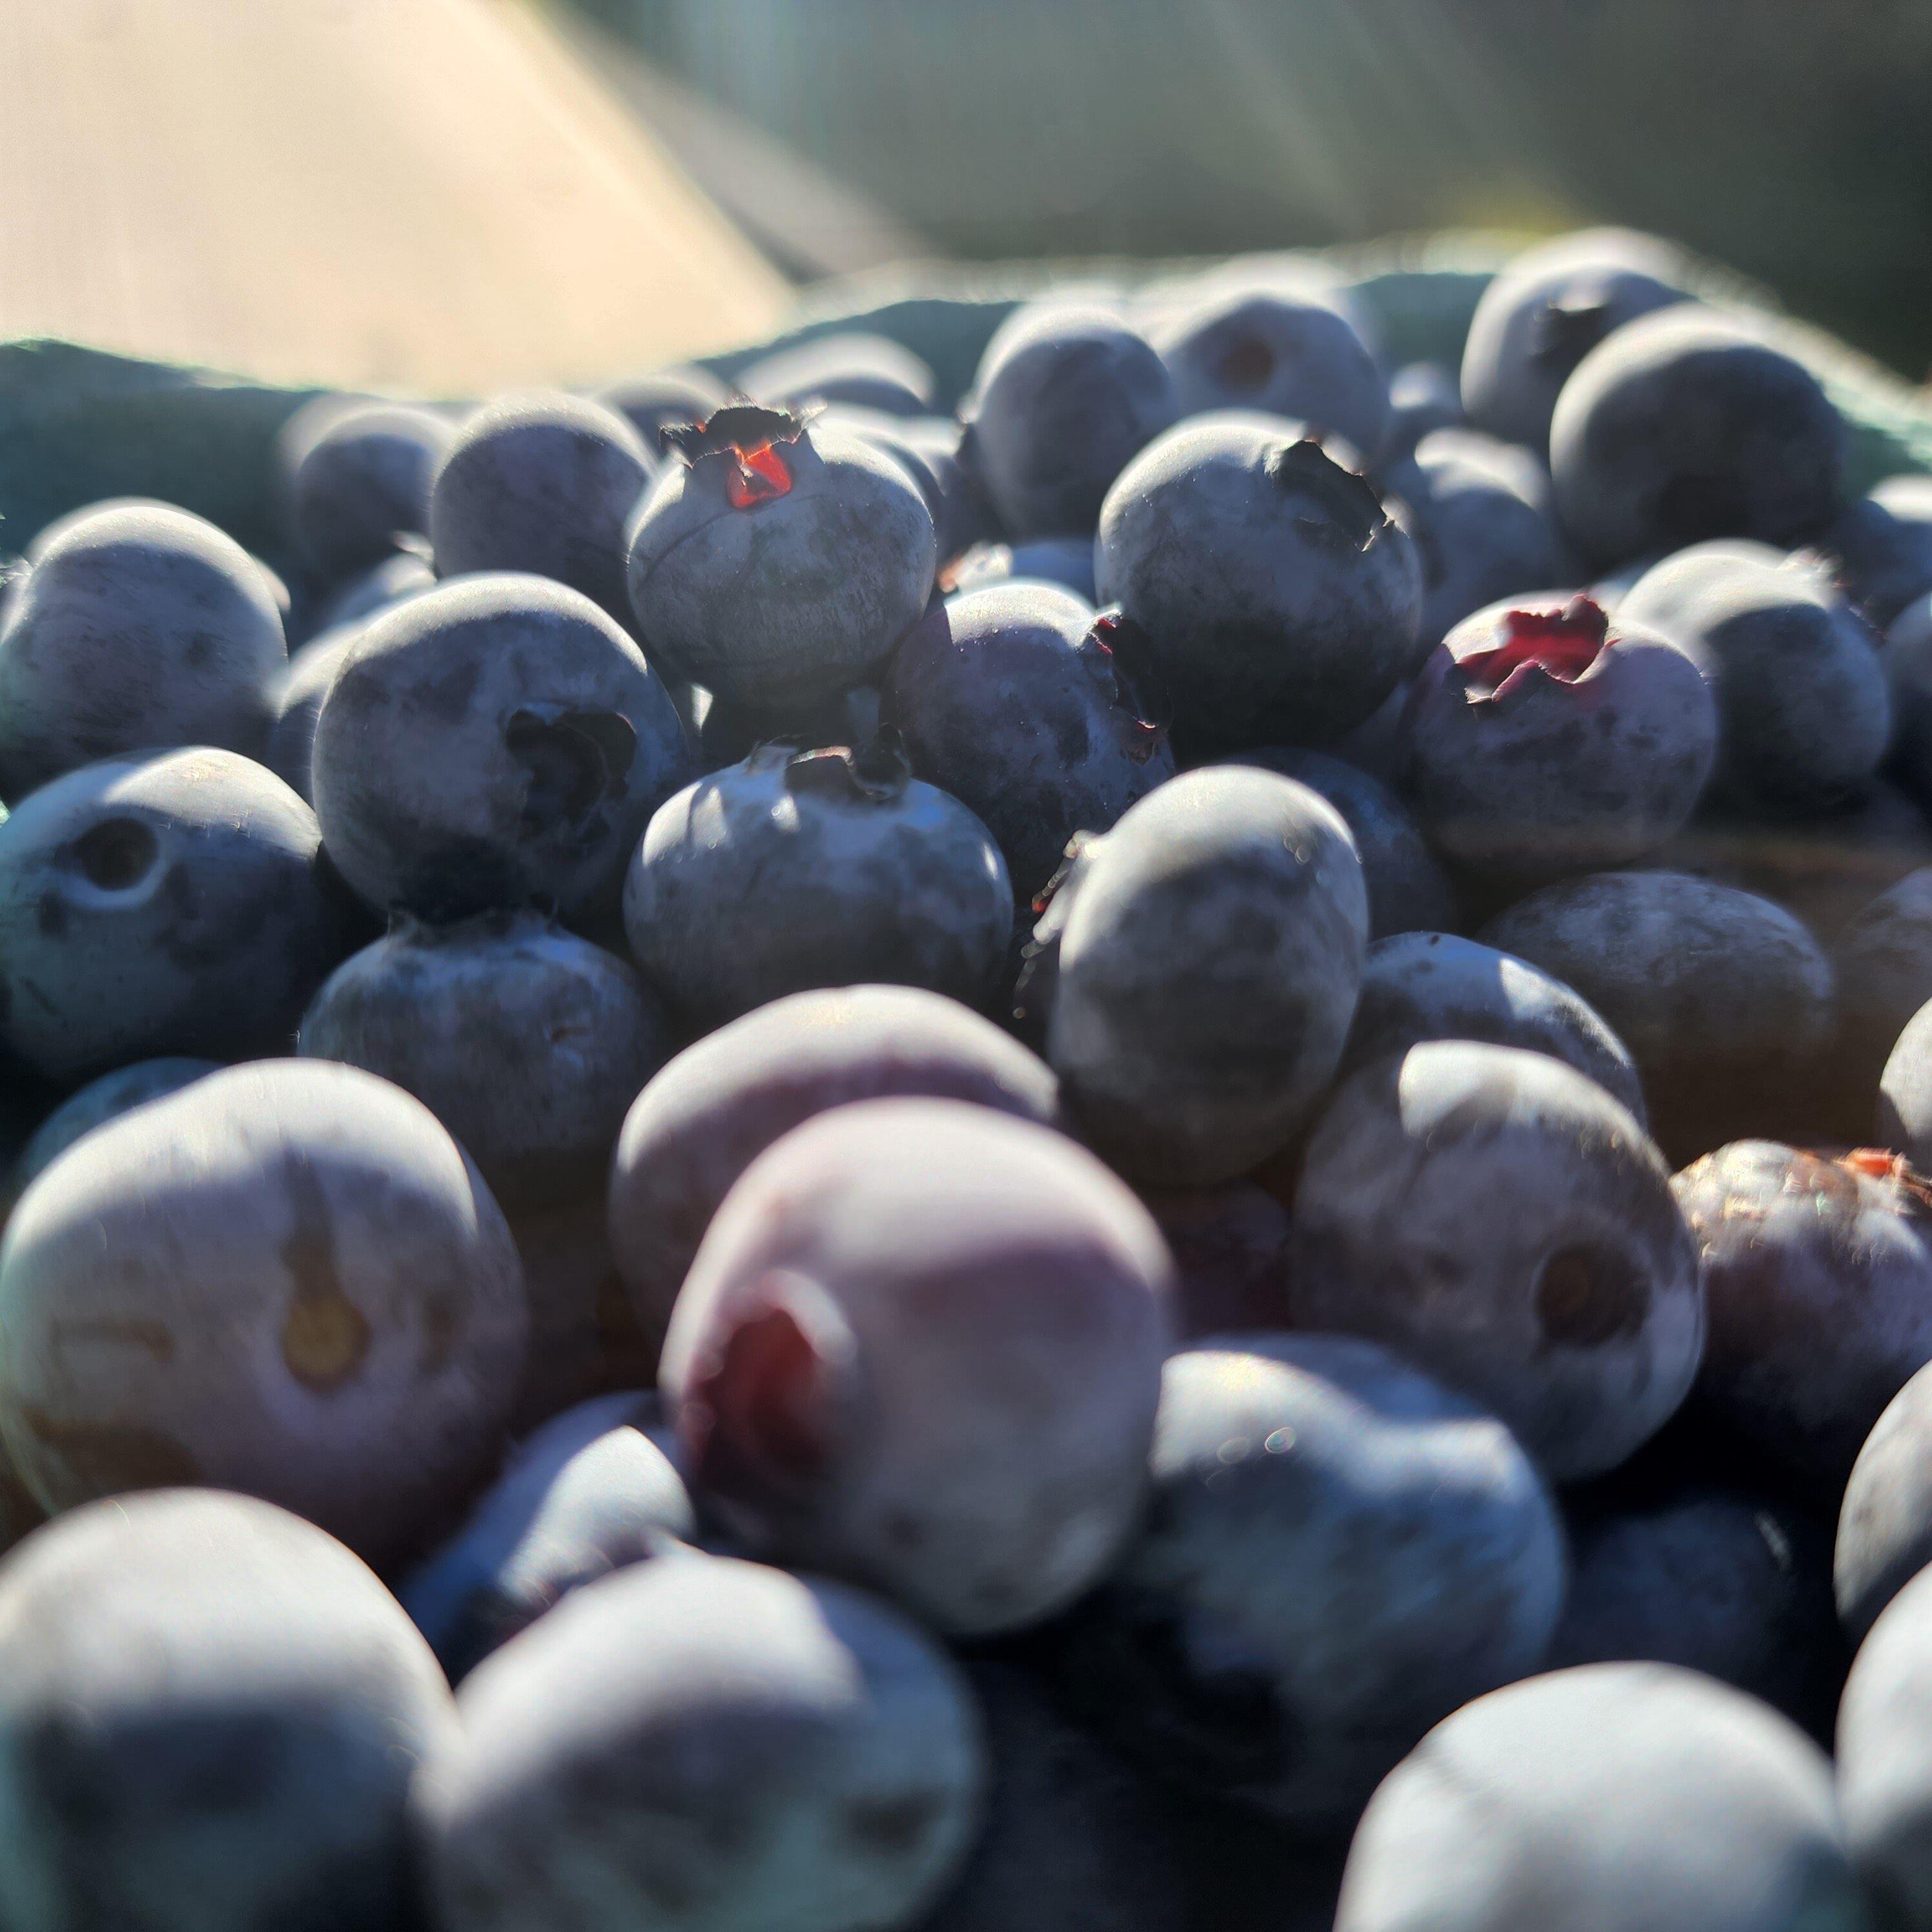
[1588, 1295]
[575, 759]
[748, 435]
[116, 854]
[1561, 645]
[1350, 513]
[875, 774]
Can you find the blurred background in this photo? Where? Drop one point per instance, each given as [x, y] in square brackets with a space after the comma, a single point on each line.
[458, 193]
[1791, 139]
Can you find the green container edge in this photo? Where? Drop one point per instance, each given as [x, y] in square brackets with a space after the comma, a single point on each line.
[78, 424]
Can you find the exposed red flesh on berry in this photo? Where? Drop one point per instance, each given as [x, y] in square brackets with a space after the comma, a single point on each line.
[758, 1411]
[761, 475]
[1561, 644]
[753, 438]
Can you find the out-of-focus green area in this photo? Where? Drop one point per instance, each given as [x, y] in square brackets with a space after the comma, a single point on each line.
[1791, 139]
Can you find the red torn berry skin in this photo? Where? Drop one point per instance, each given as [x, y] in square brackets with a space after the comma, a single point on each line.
[747, 437]
[758, 1419]
[762, 474]
[1563, 644]
[1543, 739]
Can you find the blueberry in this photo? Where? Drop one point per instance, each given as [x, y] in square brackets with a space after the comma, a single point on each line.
[97, 1103]
[1066, 561]
[285, 1279]
[776, 564]
[528, 1043]
[1423, 397]
[1230, 1247]
[667, 399]
[1421, 986]
[1549, 738]
[920, 1347]
[1689, 423]
[1544, 314]
[1209, 951]
[1281, 600]
[496, 741]
[805, 869]
[357, 473]
[1505, 1224]
[1885, 1767]
[139, 627]
[588, 1493]
[1818, 1281]
[1290, 355]
[1622, 1797]
[544, 483]
[1072, 1839]
[1338, 1553]
[1724, 1000]
[1803, 707]
[1408, 891]
[1884, 1523]
[1880, 548]
[175, 904]
[1712, 1578]
[1065, 397]
[1043, 720]
[703, 1745]
[718, 1104]
[1482, 523]
[210, 1716]
[869, 372]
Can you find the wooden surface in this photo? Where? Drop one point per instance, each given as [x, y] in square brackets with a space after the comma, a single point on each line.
[428, 196]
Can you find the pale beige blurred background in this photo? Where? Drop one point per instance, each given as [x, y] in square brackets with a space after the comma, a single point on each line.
[441, 195]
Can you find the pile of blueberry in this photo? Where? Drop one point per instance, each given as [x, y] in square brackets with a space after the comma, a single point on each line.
[1117, 1167]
